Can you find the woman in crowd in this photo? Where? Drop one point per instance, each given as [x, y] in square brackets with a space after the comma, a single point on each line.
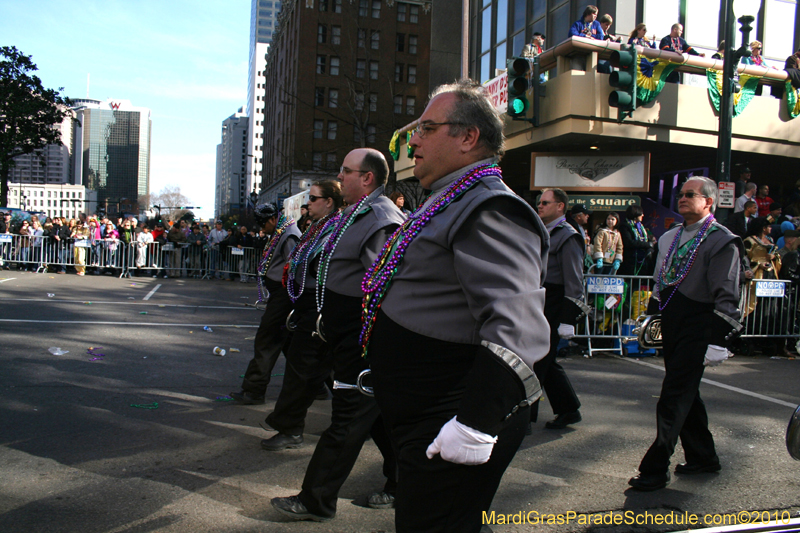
[607, 251]
[143, 241]
[96, 241]
[80, 235]
[639, 36]
[638, 245]
[400, 201]
[765, 263]
[24, 246]
[36, 243]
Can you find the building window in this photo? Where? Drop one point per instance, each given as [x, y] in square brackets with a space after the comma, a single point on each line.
[373, 70]
[401, 12]
[376, 9]
[398, 104]
[411, 103]
[401, 42]
[362, 38]
[322, 33]
[363, 8]
[321, 64]
[333, 98]
[356, 135]
[334, 66]
[332, 127]
[318, 129]
[316, 159]
[398, 72]
[336, 35]
[330, 161]
[373, 101]
[412, 74]
[371, 133]
[323, 5]
[319, 96]
[412, 44]
[361, 66]
[337, 6]
[413, 16]
[375, 40]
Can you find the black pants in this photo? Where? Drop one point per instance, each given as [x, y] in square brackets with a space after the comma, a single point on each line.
[680, 412]
[354, 416]
[271, 337]
[308, 363]
[551, 375]
[419, 382]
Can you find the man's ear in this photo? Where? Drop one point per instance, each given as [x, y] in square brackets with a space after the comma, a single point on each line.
[471, 138]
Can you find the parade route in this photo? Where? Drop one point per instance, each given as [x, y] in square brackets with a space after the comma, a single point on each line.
[130, 431]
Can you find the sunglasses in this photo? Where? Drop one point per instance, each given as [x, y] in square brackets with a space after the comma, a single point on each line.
[545, 202]
[689, 195]
[312, 198]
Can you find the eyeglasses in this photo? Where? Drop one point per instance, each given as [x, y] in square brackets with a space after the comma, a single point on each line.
[312, 198]
[423, 129]
[345, 170]
[689, 195]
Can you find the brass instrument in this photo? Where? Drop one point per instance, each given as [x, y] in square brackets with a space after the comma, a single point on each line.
[359, 385]
[648, 331]
[793, 435]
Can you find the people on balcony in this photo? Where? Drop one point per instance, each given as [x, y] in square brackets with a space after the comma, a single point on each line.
[588, 26]
[605, 22]
[536, 46]
[639, 36]
[674, 42]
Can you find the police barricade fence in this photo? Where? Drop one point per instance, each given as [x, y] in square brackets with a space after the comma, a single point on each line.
[769, 309]
[117, 257]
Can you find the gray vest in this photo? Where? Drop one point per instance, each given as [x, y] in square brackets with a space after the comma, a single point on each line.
[475, 273]
[565, 260]
[288, 240]
[361, 244]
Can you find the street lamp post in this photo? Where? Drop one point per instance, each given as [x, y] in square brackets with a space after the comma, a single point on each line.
[730, 61]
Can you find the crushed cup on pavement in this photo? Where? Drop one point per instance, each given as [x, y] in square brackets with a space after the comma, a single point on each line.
[234, 350]
[50, 294]
[57, 351]
[219, 351]
[208, 329]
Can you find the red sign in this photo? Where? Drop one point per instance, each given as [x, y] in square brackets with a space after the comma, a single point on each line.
[727, 195]
[497, 91]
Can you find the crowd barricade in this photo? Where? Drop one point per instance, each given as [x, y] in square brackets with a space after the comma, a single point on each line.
[769, 309]
[98, 256]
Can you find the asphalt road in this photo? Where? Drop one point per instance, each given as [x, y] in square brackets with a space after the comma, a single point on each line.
[77, 456]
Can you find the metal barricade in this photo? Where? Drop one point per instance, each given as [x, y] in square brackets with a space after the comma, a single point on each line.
[615, 302]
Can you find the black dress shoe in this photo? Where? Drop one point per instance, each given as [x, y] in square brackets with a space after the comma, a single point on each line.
[247, 398]
[688, 469]
[294, 508]
[649, 482]
[381, 500]
[281, 441]
[563, 420]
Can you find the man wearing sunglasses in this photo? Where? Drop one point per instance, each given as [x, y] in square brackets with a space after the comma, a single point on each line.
[697, 293]
[365, 226]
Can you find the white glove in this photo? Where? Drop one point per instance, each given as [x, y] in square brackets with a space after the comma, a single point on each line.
[461, 444]
[715, 355]
[566, 331]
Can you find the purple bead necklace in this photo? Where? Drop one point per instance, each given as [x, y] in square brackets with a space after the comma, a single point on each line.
[379, 277]
[269, 252]
[671, 274]
[304, 252]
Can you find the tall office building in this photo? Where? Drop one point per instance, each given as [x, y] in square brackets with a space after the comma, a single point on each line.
[263, 17]
[231, 182]
[52, 164]
[111, 152]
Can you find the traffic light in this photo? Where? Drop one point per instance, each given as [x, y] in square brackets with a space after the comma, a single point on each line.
[517, 69]
[624, 79]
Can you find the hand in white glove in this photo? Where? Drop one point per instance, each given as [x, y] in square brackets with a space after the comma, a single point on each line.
[566, 331]
[715, 355]
[461, 444]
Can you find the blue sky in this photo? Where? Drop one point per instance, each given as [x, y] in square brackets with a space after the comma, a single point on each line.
[185, 60]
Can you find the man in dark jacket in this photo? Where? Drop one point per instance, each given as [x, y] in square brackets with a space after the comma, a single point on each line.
[738, 222]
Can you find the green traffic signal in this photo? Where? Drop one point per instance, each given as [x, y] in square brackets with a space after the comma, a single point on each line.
[518, 105]
[517, 70]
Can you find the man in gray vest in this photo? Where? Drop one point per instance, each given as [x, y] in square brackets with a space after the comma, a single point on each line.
[271, 335]
[563, 306]
[364, 227]
[454, 319]
[697, 293]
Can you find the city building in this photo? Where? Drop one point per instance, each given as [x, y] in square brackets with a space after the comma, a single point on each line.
[54, 199]
[231, 181]
[362, 75]
[111, 153]
[52, 164]
[263, 19]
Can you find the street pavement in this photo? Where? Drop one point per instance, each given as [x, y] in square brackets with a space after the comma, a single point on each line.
[76, 455]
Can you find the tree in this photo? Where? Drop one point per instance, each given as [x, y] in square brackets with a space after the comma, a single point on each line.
[171, 200]
[28, 112]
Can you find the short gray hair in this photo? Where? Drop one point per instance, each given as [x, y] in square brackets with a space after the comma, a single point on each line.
[750, 186]
[473, 108]
[709, 189]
